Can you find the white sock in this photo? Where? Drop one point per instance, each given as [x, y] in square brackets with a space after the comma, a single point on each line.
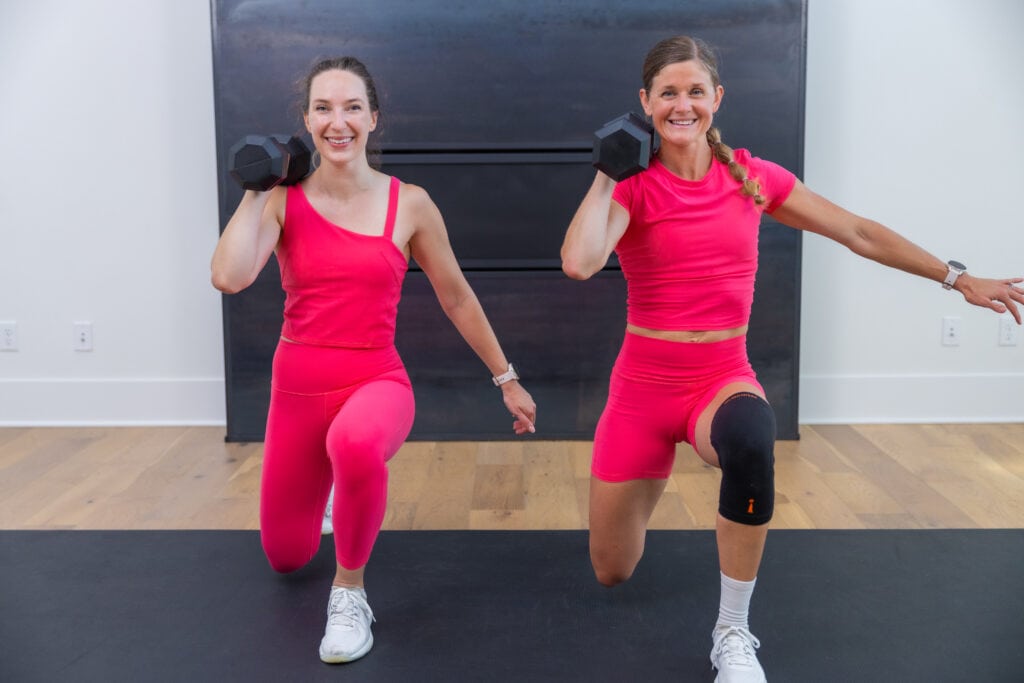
[735, 602]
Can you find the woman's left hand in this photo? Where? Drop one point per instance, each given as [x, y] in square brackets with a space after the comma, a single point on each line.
[521, 405]
[999, 295]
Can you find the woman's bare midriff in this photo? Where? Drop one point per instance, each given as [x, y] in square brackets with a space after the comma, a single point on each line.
[689, 336]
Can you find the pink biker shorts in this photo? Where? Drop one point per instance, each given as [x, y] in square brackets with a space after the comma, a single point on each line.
[657, 391]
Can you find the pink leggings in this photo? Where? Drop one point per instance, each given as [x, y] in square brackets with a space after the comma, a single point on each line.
[658, 389]
[336, 416]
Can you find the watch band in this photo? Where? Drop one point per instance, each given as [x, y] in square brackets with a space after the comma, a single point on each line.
[506, 376]
[956, 269]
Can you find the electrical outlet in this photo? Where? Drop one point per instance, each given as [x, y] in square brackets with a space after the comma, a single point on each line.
[1007, 331]
[951, 331]
[8, 335]
[83, 336]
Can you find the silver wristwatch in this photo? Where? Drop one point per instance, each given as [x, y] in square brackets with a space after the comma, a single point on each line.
[507, 376]
[956, 269]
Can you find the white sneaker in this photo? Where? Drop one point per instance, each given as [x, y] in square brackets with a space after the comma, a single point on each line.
[347, 636]
[326, 526]
[734, 656]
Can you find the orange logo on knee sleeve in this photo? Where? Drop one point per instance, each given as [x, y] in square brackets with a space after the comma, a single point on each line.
[750, 510]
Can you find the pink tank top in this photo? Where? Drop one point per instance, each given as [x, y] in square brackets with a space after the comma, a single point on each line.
[341, 287]
[689, 255]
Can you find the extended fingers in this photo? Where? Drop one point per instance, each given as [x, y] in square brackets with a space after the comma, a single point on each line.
[523, 409]
[523, 423]
[1012, 296]
[526, 415]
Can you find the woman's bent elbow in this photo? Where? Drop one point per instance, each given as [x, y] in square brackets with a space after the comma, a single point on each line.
[225, 285]
[576, 270]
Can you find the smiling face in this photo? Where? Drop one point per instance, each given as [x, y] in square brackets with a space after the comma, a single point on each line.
[681, 101]
[339, 115]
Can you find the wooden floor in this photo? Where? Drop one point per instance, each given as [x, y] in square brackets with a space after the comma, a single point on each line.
[834, 477]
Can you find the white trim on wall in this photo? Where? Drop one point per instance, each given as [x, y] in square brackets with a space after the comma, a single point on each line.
[872, 399]
[112, 402]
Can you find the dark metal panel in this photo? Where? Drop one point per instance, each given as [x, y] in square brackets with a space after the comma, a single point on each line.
[523, 73]
[563, 335]
[774, 337]
[540, 317]
[504, 210]
[490, 107]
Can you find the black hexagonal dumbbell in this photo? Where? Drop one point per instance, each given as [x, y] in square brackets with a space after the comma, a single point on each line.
[299, 158]
[260, 162]
[622, 147]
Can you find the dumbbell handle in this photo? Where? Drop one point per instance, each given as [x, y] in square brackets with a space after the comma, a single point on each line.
[261, 162]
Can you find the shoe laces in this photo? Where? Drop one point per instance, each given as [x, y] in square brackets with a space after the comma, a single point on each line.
[735, 647]
[348, 609]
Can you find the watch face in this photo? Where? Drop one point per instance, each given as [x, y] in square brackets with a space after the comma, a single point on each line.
[957, 265]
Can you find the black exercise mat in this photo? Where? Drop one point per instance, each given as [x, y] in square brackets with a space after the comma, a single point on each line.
[831, 606]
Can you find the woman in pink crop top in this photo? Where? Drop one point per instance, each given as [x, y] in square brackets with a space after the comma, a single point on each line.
[341, 402]
[685, 231]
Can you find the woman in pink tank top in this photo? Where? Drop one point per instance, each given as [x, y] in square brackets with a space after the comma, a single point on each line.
[341, 402]
[685, 231]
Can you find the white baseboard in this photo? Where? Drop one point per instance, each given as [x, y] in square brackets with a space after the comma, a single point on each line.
[926, 399]
[111, 402]
[836, 399]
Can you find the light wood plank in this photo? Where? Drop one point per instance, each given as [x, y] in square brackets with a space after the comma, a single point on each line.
[444, 500]
[898, 479]
[498, 487]
[835, 476]
[551, 490]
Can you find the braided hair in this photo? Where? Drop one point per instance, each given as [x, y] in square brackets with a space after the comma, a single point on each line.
[685, 49]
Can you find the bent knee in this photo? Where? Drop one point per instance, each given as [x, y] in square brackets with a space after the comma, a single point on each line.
[285, 558]
[610, 579]
[612, 573]
[743, 435]
[359, 467]
[285, 565]
[286, 562]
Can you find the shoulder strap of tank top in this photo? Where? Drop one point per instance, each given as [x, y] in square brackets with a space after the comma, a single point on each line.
[291, 202]
[389, 222]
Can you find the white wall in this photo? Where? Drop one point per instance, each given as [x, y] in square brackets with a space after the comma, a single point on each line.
[109, 212]
[913, 119]
[110, 209]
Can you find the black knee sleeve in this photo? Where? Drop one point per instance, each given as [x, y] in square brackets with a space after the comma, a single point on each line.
[743, 435]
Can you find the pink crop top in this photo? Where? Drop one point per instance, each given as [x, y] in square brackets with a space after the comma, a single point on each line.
[341, 287]
[689, 255]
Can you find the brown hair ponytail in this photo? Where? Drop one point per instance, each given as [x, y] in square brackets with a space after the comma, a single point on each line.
[723, 152]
